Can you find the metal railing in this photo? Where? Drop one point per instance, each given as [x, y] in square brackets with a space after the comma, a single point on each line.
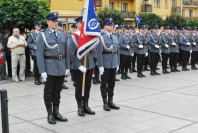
[4, 111]
[146, 8]
[190, 2]
[129, 14]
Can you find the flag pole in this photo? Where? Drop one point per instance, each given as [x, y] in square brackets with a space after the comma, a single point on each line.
[84, 75]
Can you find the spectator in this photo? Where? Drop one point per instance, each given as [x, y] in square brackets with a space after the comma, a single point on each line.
[8, 52]
[2, 63]
[17, 44]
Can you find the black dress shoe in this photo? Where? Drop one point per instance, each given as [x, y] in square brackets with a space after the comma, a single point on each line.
[41, 81]
[127, 76]
[111, 104]
[81, 112]
[139, 75]
[193, 68]
[94, 81]
[184, 69]
[37, 82]
[172, 70]
[106, 106]
[123, 77]
[157, 68]
[152, 73]
[51, 119]
[117, 79]
[65, 80]
[59, 117]
[65, 87]
[87, 109]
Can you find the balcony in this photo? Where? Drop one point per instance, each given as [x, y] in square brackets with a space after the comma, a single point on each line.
[190, 18]
[129, 14]
[146, 8]
[176, 9]
[98, 3]
[190, 2]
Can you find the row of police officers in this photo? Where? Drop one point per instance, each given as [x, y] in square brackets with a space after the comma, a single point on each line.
[56, 55]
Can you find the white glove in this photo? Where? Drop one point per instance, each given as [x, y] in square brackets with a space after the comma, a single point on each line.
[146, 54]
[160, 52]
[173, 43]
[190, 51]
[82, 69]
[101, 69]
[132, 54]
[194, 43]
[128, 46]
[140, 46]
[188, 43]
[166, 45]
[44, 76]
[156, 46]
[67, 71]
[117, 68]
[35, 47]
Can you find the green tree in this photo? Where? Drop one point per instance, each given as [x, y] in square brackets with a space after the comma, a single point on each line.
[175, 20]
[22, 13]
[117, 16]
[150, 19]
[193, 23]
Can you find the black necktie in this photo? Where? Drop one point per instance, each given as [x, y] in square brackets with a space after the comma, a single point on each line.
[111, 37]
[55, 33]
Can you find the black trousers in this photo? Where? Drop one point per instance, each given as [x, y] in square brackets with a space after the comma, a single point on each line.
[180, 58]
[28, 62]
[140, 62]
[125, 63]
[165, 58]
[173, 59]
[35, 69]
[185, 58]
[78, 79]
[52, 89]
[154, 58]
[108, 82]
[9, 65]
[96, 69]
[193, 57]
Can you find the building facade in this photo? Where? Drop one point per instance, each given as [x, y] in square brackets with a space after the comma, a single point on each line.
[70, 9]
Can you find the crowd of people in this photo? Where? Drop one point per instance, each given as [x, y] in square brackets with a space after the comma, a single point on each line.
[121, 50]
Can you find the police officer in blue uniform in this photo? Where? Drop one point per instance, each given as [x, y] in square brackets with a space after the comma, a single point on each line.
[174, 50]
[53, 66]
[184, 41]
[154, 46]
[139, 43]
[78, 70]
[126, 52]
[31, 41]
[164, 40]
[108, 61]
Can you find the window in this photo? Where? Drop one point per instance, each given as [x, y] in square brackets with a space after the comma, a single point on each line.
[157, 3]
[111, 5]
[124, 7]
[166, 4]
[98, 3]
[190, 13]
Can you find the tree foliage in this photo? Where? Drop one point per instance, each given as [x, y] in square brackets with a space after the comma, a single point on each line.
[193, 23]
[22, 13]
[118, 17]
[175, 20]
[150, 19]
